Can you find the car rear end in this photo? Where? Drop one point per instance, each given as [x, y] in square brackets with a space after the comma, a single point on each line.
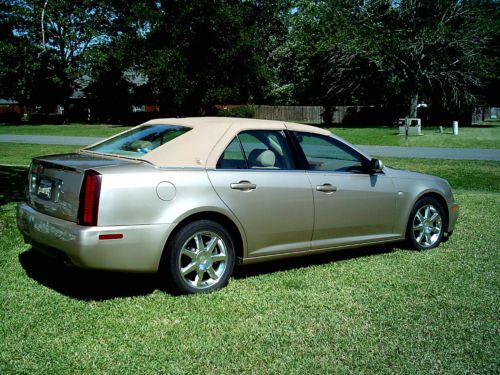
[63, 215]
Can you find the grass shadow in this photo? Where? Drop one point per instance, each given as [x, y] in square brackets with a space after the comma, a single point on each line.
[87, 285]
[242, 272]
[13, 182]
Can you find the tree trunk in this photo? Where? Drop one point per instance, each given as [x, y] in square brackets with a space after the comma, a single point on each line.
[66, 114]
[327, 115]
[413, 105]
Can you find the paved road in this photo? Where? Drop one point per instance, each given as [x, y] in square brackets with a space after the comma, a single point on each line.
[404, 152]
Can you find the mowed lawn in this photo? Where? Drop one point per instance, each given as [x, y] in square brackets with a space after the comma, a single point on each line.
[468, 137]
[374, 310]
[76, 130]
[22, 153]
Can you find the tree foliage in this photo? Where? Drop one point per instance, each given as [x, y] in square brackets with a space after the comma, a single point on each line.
[186, 56]
[418, 48]
[200, 53]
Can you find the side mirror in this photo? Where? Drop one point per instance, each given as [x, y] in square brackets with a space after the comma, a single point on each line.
[376, 165]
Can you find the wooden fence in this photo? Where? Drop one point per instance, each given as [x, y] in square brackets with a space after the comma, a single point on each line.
[355, 115]
[309, 114]
[306, 114]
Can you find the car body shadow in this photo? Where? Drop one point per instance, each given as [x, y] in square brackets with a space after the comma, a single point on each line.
[81, 284]
[299, 262]
[91, 285]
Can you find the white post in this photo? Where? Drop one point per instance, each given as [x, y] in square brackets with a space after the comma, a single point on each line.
[407, 128]
[455, 127]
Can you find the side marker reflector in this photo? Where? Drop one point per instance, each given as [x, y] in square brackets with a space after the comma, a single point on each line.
[114, 236]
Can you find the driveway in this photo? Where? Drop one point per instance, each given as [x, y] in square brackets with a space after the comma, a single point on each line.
[396, 151]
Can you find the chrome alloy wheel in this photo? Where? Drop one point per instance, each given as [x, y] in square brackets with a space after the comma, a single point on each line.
[427, 225]
[203, 260]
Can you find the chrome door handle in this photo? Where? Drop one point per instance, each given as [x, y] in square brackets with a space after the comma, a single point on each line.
[243, 186]
[326, 188]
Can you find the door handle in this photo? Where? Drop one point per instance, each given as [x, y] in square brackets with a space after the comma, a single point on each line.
[243, 186]
[326, 188]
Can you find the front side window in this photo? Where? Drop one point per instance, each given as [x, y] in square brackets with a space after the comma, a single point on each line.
[257, 149]
[326, 154]
[139, 141]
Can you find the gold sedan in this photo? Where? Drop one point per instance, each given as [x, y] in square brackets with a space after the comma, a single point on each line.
[191, 197]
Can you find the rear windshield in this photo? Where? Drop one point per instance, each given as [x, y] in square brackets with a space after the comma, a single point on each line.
[139, 141]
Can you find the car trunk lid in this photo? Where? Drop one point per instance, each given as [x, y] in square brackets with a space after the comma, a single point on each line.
[55, 181]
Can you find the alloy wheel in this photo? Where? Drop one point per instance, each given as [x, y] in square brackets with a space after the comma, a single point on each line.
[203, 260]
[427, 225]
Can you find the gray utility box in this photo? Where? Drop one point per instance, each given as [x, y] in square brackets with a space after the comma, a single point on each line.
[414, 126]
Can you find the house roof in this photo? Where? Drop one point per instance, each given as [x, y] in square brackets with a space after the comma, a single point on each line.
[8, 102]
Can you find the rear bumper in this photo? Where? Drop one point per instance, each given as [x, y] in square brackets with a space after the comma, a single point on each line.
[139, 250]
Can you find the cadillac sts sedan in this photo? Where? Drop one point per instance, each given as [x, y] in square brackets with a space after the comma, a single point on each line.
[189, 198]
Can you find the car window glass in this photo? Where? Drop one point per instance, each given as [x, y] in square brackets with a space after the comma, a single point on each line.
[266, 149]
[140, 140]
[260, 149]
[326, 154]
[232, 157]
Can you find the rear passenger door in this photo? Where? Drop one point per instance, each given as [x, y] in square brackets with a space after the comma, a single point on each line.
[256, 178]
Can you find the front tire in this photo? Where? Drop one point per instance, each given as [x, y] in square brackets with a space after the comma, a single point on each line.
[199, 259]
[426, 225]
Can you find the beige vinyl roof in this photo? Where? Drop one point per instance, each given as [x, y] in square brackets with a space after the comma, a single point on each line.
[209, 137]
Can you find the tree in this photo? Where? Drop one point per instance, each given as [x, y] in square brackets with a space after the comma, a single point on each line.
[109, 93]
[410, 48]
[62, 32]
[298, 60]
[25, 74]
[197, 54]
[488, 24]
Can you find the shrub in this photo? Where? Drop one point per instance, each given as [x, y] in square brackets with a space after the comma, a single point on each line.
[10, 118]
[41, 118]
[245, 111]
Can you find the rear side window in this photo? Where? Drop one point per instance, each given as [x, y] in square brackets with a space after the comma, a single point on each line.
[232, 157]
[139, 141]
[257, 149]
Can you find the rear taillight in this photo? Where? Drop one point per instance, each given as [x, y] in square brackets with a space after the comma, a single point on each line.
[89, 199]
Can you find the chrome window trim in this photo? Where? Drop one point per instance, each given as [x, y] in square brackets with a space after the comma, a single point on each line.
[256, 170]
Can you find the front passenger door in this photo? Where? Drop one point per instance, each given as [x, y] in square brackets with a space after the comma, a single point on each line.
[351, 205]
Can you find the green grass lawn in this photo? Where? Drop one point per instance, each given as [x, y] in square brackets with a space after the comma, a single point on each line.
[374, 310]
[461, 174]
[22, 153]
[82, 130]
[471, 137]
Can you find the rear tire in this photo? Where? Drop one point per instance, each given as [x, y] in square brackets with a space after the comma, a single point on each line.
[426, 225]
[199, 258]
